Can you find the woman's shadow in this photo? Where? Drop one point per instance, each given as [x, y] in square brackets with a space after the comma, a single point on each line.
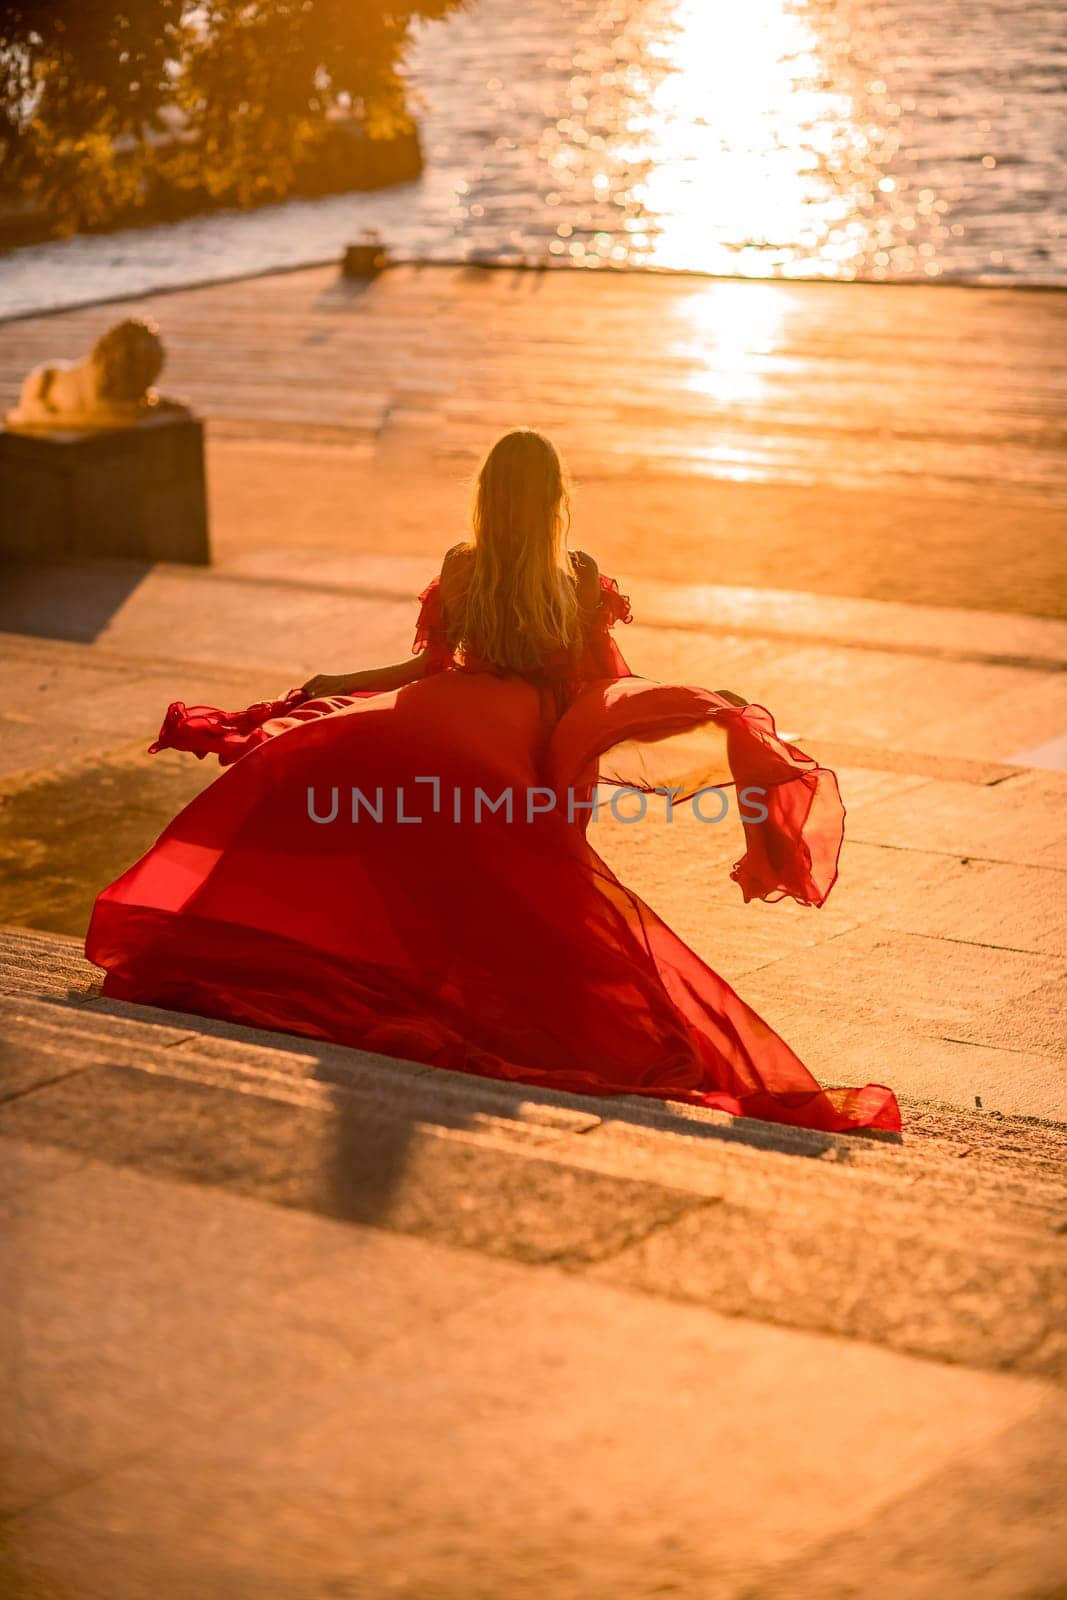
[365, 1138]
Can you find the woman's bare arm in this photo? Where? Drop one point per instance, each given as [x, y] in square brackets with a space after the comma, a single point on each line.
[376, 679]
[588, 575]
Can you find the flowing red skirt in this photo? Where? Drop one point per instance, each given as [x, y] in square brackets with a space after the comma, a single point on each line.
[498, 946]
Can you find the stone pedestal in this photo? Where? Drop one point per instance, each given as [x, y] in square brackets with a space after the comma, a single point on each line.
[134, 493]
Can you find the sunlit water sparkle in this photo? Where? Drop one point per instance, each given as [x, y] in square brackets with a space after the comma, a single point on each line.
[899, 140]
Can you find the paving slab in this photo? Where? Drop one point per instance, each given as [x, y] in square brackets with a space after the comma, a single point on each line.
[1021, 820]
[1011, 1063]
[1051, 753]
[1034, 1022]
[119, 1337]
[991, 903]
[936, 982]
[960, 1509]
[219, 1398]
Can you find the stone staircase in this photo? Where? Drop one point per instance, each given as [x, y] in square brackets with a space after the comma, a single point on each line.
[949, 1243]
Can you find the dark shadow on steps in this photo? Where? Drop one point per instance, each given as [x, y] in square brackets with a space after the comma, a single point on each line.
[73, 601]
[355, 1143]
[338, 296]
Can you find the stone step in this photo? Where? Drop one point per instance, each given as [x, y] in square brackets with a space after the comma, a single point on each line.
[941, 632]
[39, 969]
[1018, 1168]
[946, 1244]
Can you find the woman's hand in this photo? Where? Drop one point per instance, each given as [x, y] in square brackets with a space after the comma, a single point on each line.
[325, 683]
[372, 680]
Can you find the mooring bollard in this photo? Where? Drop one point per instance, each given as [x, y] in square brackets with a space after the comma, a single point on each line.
[366, 258]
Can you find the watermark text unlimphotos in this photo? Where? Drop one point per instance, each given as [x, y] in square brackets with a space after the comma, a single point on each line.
[398, 804]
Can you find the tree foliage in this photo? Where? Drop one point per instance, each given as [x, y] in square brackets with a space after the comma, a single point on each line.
[105, 102]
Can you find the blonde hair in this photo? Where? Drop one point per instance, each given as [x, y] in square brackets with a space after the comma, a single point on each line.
[521, 601]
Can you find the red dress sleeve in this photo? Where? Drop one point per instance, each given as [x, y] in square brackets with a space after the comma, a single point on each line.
[614, 606]
[601, 656]
[430, 634]
[208, 731]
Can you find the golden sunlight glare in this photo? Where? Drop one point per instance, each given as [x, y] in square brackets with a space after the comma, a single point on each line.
[747, 145]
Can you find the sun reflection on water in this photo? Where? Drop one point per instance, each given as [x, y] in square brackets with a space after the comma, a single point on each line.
[730, 341]
[748, 142]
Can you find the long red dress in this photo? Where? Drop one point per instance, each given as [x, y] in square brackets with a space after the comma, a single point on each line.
[488, 944]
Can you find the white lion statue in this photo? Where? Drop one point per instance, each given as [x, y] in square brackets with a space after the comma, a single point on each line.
[110, 388]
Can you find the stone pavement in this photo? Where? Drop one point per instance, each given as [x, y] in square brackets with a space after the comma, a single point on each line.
[258, 1404]
[294, 1323]
[331, 1325]
[898, 442]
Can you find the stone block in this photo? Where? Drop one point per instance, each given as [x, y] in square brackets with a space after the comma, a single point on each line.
[364, 259]
[135, 493]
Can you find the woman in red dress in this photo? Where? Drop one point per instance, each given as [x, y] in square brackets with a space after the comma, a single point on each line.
[399, 858]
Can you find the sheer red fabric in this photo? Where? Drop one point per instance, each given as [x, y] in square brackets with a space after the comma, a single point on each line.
[342, 880]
